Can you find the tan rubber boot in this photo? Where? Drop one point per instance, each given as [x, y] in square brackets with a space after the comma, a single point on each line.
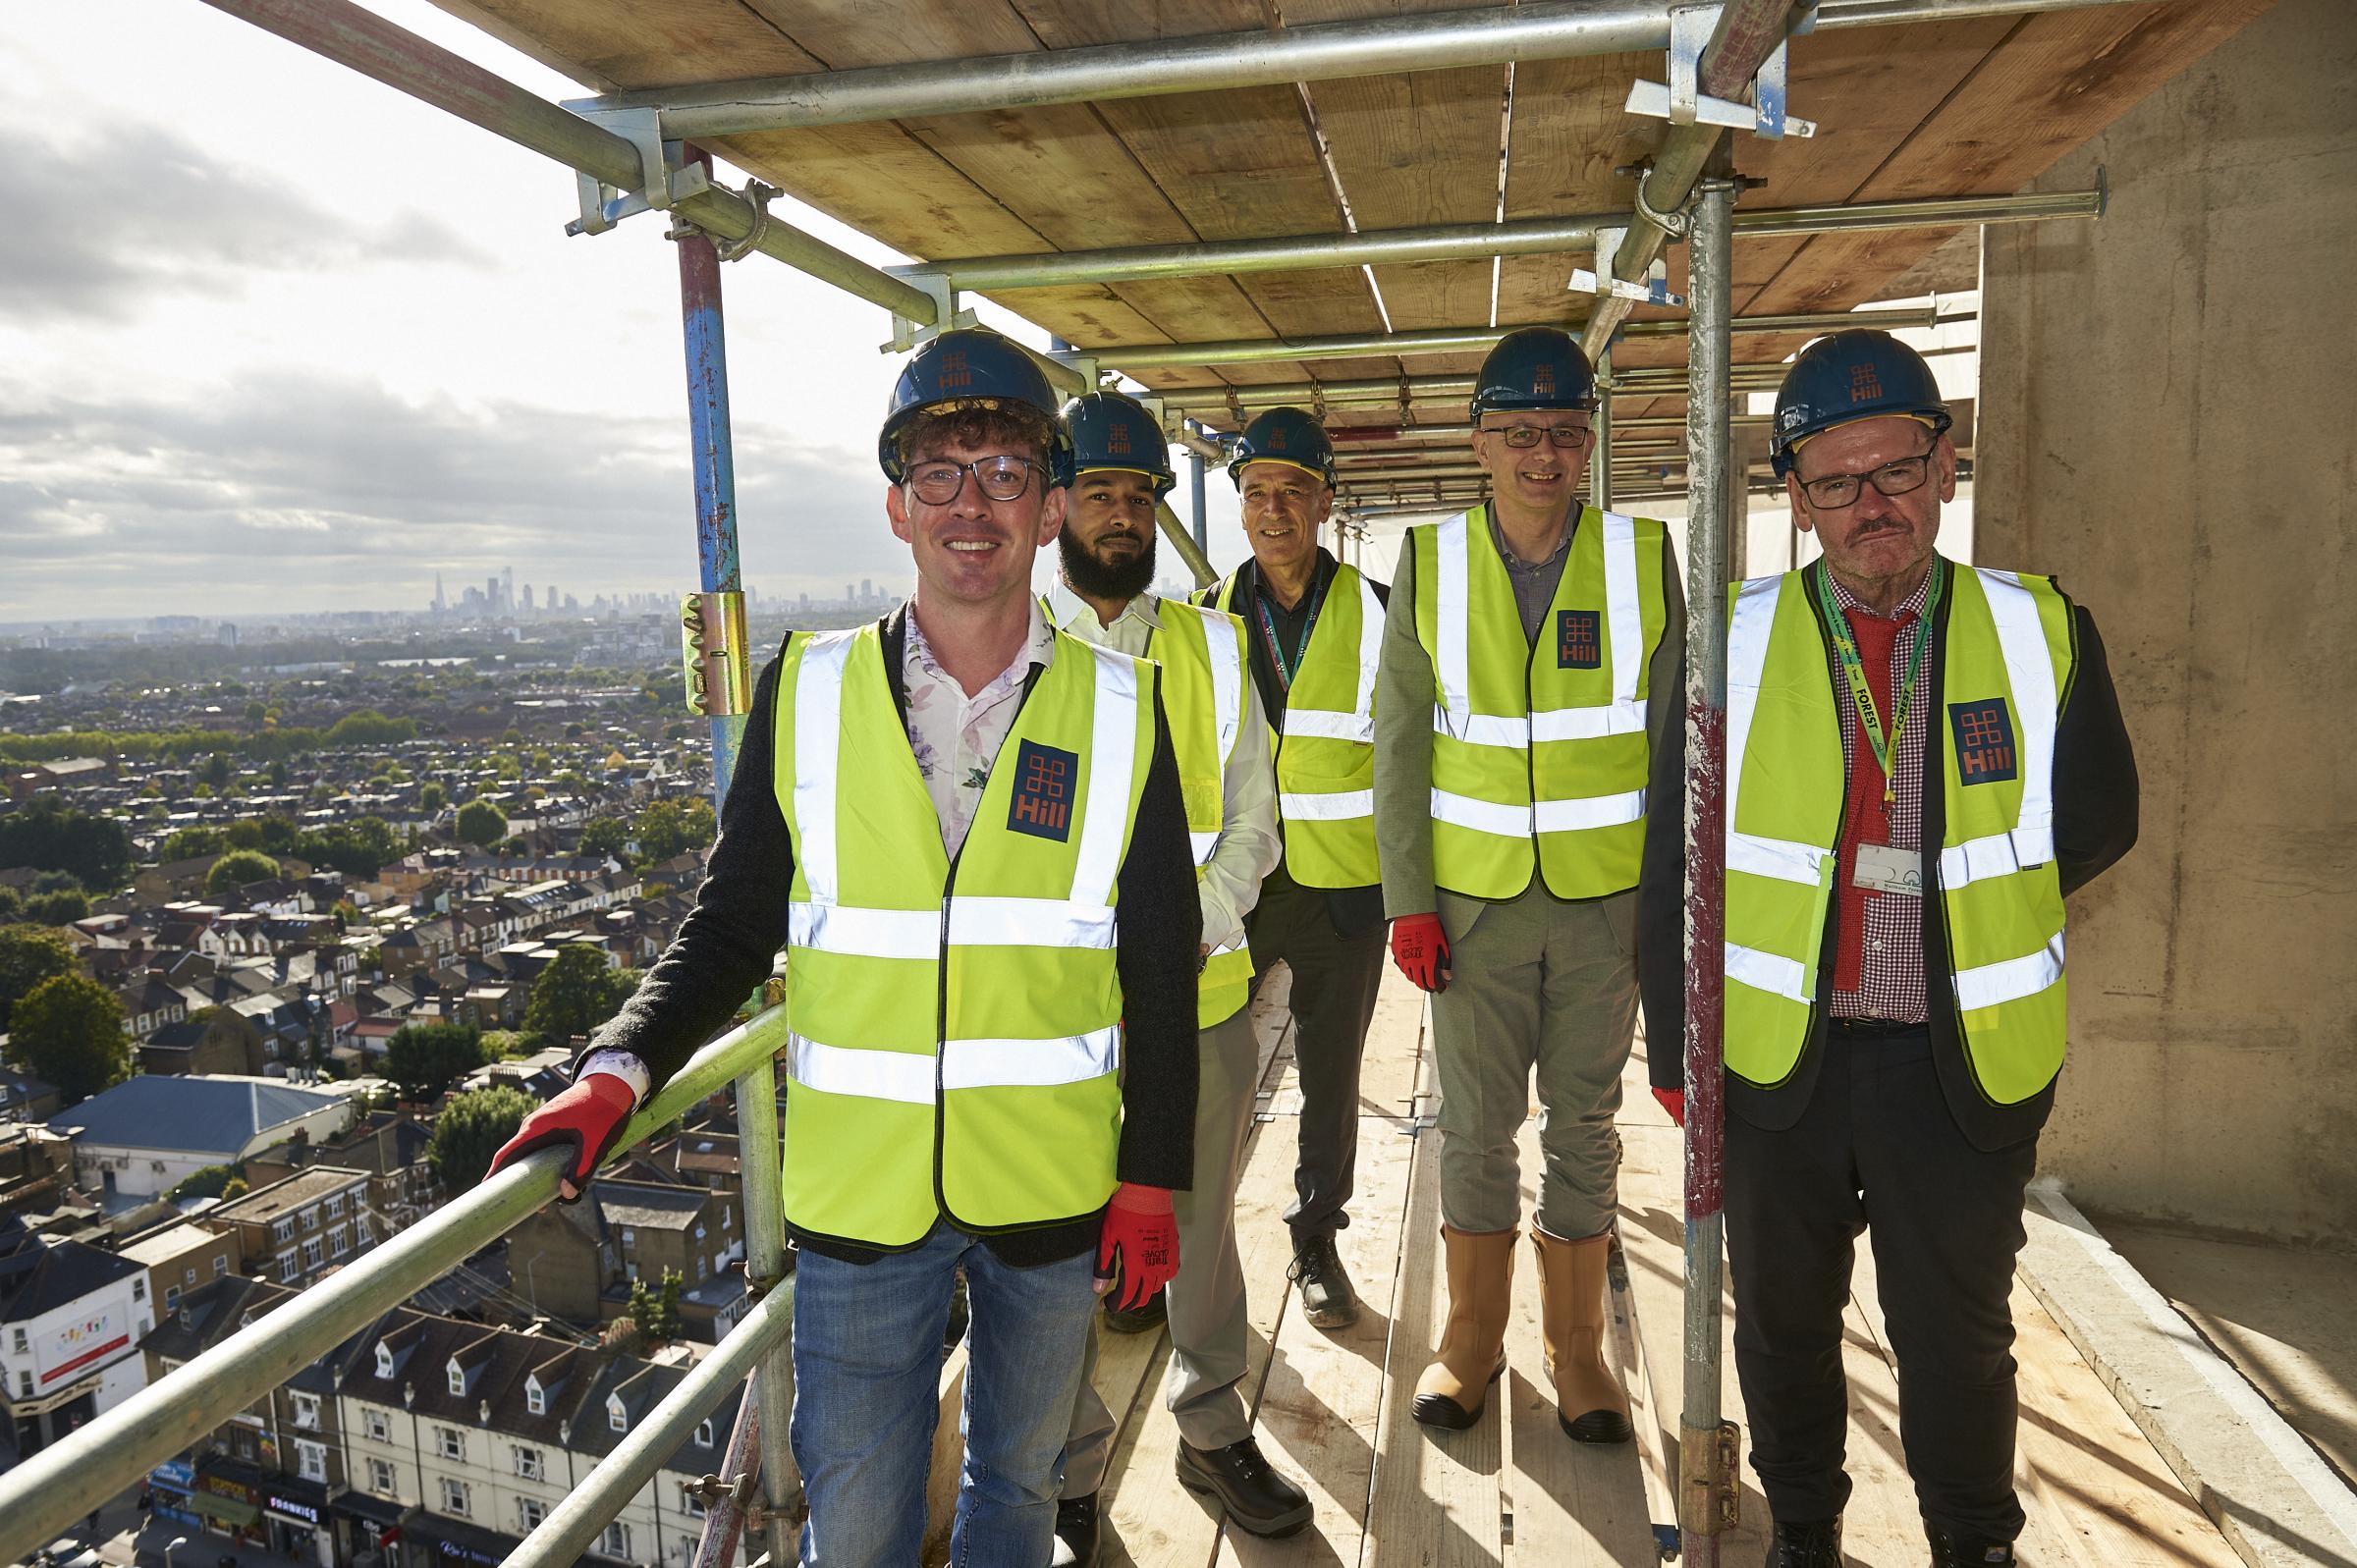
[1472, 1353]
[1588, 1399]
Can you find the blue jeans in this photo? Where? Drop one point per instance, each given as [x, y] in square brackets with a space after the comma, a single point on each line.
[867, 1370]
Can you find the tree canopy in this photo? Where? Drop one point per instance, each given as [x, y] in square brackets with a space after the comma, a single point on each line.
[671, 826]
[237, 868]
[51, 835]
[426, 1059]
[29, 955]
[67, 1031]
[469, 1130]
[575, 993]
[481, 824]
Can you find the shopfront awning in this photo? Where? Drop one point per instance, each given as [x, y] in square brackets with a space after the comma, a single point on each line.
[227, 1511]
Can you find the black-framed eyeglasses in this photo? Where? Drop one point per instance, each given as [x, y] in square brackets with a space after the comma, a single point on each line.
[1570, 437]
[1833, 491]
[1000, 478]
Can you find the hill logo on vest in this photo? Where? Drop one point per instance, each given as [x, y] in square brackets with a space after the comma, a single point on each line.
[1043, 792]
[1579, 639]
[1984, 742]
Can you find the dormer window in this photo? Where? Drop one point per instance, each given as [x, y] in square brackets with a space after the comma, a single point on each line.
[384, 1359]
[458, 1376]
[703, 1433]
[617, 1416]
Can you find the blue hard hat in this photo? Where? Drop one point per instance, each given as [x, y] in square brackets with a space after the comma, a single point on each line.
[1291, 436]
[969, 367]
[1534, 368]
[1848, 376]
[1112, 430]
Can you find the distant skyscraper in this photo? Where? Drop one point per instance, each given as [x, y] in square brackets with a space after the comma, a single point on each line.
[491, 595]
[527, 598]
[439, 604]
[507, 585]
[867, 589]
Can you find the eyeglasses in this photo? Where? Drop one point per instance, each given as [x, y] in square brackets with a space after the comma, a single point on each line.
[1570, 437]
[1834, 491]
[1001, 478]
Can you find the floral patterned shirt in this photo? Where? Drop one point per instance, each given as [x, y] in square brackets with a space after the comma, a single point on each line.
[955, 737]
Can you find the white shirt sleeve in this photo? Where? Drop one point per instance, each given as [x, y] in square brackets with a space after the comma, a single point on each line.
[1249, 847]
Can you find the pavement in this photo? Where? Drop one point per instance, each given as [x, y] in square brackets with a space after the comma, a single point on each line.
[124, 1538]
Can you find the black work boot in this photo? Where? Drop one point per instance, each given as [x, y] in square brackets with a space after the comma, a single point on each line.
[1138, 1319]
[1076, 1541]
[1965, 1551]
[1327, 1299]
[1259, 1501]
[1814, 1545]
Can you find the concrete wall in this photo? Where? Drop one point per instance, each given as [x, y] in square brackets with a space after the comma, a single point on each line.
[2169, 424]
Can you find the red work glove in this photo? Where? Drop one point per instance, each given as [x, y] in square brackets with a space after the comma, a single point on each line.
[588, 1117]
[1137, 1253]
[1673, 1101]
[1421, 950]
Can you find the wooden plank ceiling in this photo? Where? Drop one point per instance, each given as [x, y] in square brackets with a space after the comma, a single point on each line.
[1974, 107]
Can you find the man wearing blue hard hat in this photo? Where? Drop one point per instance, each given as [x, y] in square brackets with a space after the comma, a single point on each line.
[1315, 625]
[1121, 469]
[966, 832]
[1528, 665]
[1923, 759]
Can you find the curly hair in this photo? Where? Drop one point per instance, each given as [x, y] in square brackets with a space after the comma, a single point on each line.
[971, 426]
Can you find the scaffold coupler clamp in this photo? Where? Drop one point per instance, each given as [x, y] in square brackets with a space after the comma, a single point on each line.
[1681, 101]
[756, 196]
[712, 654]
[1651, 290]
[667, 174]
[947, 314]
[1710, 1490]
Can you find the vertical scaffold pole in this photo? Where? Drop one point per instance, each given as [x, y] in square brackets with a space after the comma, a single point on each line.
[1706, 1484]
[714, 457]
[1599, 461]
[1200, 520]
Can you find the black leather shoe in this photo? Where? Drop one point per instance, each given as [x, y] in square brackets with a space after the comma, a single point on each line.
[1815, 1544]
[1327, 1299]
[1259, 1501]
[1964, 1551]
[1076, 1542]
[1138, 1319]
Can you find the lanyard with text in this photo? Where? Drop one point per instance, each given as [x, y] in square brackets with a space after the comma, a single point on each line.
[1268, 630]
[1846, 644]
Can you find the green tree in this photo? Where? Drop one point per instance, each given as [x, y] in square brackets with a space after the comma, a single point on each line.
[656, 1312]
[605, 837]
[246, 835]
[236, 869]
[29, 955]
[69, 1031]
[671, 826]
[426, 1059]
[60, 909]
[433, 797]
[236, 1188]
[278, 774]
[206, 1183]
[575, 993]
[368, 728]
[470, 1129]
[255, 711]
[189, 844]
[48, 835]
[12, 906]
[57, 882]
[217, 769]
[481, 824]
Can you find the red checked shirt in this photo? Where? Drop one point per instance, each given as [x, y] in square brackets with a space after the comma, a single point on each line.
[1878, 957]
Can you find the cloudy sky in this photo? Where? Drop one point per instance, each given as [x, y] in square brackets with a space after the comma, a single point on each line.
[275, 337]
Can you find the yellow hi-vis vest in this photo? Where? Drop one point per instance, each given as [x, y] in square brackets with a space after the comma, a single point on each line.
[2007, 657]
[954, 1029]
[1539, 752]
[1324, 744]
[1202, 657]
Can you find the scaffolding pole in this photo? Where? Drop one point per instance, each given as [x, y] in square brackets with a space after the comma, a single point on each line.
[1599, 461]
[1707, 1482]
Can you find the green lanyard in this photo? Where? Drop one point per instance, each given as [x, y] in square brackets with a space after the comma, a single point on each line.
[1268, 630]
[1846, 643]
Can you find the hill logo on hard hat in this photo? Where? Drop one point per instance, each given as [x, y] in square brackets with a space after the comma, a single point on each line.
[1984, 735]
[1044, 776]
[1116, 440]
[1542, 380]
[1865, 386]
[953, 371]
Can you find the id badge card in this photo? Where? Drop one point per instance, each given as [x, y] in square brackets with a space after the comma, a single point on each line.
[1883, 869]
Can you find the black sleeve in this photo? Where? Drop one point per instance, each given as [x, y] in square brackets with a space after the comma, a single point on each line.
[728, 942]
[1661, 907]
[2095, 768]
[1160, 920]
[1382, 592]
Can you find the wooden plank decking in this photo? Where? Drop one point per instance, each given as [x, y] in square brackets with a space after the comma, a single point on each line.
[1333, 1408]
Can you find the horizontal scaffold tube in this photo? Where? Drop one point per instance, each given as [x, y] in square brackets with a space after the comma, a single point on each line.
[1461, 242]
[1666, 382]
[368, 43]
[1546, 29]
[1453, 339]
[49, 1490]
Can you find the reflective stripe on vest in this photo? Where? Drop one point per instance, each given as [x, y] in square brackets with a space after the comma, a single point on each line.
[2006, 655]
[1325, 742]
[955, 1035]
[1202, 656]
[1538, 752]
